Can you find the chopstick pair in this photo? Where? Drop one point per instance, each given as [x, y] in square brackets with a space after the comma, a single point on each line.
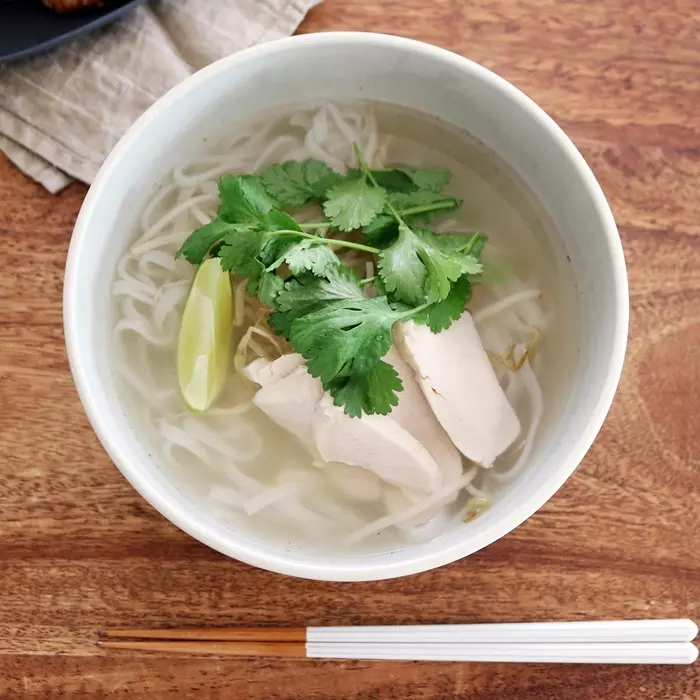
[611, 642]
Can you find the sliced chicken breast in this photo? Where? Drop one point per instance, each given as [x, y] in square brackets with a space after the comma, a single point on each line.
[414, 414]
[295, 400]
[459, 383]
[289, 394]
[377, 443]
[266, 372]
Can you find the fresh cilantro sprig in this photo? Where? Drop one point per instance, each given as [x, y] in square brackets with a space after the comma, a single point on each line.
[253, 238]
[319, 304]
[419, 267]
[343, 336]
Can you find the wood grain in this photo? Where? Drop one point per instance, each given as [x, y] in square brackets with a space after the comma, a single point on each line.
[80, 551]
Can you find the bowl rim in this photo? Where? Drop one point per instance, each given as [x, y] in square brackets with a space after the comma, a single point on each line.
[371, 567]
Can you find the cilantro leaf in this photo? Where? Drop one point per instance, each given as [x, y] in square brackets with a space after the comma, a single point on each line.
[411, 207]
[440, 315]
[425, 179]
[307, 293]
[415, 268]
[382, 383]
[401, 269]
[289, 245]
[465, 248]
[353, 204]
[371, 392]
[255, 273]
[310, 256]
[442, 268]
[344, 337]
[276, 220]
[340, 283]
[294, 183]
[321, 178]
[458, 243]
[243, 199]
[410, 179]
[380, 287]
[240, 251]
[394, 180]
[203, 239]
[243, 208]
[269, 287]
[470, 265]
[275, 248]
[381, 231]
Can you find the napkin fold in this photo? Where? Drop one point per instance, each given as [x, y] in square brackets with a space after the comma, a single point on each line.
[62, 112]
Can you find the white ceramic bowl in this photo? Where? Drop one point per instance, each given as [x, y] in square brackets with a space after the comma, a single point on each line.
[339, 66]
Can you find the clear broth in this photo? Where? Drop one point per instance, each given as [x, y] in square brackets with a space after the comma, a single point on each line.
[497, 203]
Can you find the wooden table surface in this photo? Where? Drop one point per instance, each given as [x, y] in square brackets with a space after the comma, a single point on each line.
[79, 550]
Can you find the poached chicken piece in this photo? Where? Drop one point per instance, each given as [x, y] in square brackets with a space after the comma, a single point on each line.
[458, 381]
[414, 414]
[296, 401]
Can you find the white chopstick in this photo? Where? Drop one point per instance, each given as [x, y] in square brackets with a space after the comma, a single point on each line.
[587, 653]
[522, 632]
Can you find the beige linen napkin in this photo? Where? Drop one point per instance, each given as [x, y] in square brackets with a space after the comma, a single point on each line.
[63, 111]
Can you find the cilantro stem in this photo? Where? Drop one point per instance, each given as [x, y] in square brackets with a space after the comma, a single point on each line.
[471, 242]
[435, 206]
[422, 209]
[328, 241]
[316, 224]
[368, 174]
[412, 312]
[363, 165]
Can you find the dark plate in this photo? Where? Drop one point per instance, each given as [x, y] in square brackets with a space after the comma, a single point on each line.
[26, 26]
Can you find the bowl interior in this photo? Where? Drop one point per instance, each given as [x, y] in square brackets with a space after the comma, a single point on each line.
[341, 67]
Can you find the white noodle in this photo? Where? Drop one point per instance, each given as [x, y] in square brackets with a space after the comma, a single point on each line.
[168, 303]
[162, 242]
[532, 387]
[134, 290]
[268, 336]
[144, 329]
[309, 521]
[156, 200]
[239, 442]
[226, 495]
[397, 518]
[237, 410]
[503, 304]
[239, 359]
[173, 214]
[201, 216]
[270, 497]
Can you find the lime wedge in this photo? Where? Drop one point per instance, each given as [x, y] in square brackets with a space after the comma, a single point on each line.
[203, 348]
